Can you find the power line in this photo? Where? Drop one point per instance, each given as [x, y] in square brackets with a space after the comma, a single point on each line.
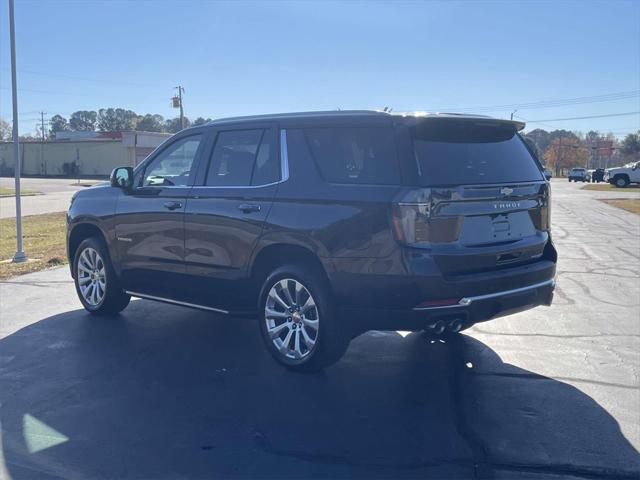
[584, 118]
[85, 79]
[50, 92]
[608, 97]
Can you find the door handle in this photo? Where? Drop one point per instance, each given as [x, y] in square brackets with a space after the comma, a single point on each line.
[248, 208]
[172, 205]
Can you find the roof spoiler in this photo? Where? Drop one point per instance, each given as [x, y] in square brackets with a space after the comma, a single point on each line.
[518, 125]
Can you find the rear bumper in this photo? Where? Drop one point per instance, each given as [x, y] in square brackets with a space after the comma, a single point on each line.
[468, 310]
[399, 293]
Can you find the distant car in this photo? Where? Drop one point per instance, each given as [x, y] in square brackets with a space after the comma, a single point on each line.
[548, 173]
[578, 175]
[623, 176]
[598, 175]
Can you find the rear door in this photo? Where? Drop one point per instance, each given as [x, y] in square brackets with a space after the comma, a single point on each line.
[226, 211]
[489, 203]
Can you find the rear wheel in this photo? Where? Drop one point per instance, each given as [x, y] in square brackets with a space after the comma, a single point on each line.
[297, 321]
[96, 282]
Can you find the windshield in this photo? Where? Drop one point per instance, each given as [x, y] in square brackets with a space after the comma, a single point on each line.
[455, 152]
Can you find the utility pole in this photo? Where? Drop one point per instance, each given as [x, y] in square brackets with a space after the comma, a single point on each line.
[559, 157]
[43, 170]
[179, 104]
[19, 256]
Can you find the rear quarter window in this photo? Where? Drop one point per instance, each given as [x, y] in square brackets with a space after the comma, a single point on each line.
[455, 152]
[359, 155]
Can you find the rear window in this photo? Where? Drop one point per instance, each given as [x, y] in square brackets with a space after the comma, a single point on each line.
[462, 152]
[355, 155]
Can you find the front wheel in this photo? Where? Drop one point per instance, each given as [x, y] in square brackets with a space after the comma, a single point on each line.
[297, 321]
[96, 282]
[621, 182]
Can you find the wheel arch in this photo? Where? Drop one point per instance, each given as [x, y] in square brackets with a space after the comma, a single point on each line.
[624, 175]
[79, 232]
[271, 256]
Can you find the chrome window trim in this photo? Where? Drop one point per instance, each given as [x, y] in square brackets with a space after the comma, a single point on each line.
[175, 302]
[284, 156]
[465, 302]
[284, 168]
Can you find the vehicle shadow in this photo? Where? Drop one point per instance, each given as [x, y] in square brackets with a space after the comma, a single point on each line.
[165, 392]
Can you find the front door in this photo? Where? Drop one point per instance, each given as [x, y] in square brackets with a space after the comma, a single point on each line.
[150, 220]
[225, 215]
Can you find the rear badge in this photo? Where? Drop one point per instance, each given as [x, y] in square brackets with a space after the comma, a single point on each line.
[506, 205]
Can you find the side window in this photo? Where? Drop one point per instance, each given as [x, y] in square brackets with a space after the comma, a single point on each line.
[242, 158]
[267, 167]
[172, 167]
[355, 155]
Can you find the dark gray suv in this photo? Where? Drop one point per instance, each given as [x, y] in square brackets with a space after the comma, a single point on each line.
[324, 225]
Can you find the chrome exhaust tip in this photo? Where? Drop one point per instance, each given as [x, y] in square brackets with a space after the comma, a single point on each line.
[455, 325]
[438, 328]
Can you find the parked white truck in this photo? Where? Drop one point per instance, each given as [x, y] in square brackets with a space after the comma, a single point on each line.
[623, 176]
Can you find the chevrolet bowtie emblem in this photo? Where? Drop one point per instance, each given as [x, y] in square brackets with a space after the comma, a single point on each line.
[506, 191]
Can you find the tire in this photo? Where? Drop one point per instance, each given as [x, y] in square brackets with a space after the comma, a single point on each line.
[97, 284]
[303, 338]
[621, 181]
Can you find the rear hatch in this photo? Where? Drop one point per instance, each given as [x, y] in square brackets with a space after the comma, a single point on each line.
[482, 203]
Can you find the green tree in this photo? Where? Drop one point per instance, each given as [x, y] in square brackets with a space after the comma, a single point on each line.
[150, 123]
[58, 124]
[83, 121]
[540, 138]
[172, 125]
[200, 121]
[116, 119]
[631, 146]
[5, 131]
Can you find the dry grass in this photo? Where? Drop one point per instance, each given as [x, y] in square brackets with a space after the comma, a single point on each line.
[629, 204]
[10, 192]
[607, 187]
[44, 243]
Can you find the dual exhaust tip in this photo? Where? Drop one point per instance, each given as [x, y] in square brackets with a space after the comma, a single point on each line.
[453, 326]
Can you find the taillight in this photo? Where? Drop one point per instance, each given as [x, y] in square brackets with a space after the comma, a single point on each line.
[541, 216]
[413, 223]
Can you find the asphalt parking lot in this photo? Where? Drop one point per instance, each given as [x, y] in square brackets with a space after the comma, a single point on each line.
[167, 392]
[56, 195]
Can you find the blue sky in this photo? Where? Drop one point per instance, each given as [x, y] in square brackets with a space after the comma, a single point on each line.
[237, 58]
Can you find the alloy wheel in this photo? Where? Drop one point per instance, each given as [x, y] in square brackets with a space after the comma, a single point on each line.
[292, 319]
[91, 274]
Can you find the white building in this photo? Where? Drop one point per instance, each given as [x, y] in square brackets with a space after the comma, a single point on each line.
[81, 153]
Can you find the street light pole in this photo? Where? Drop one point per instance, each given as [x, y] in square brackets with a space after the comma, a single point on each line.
[19, 256]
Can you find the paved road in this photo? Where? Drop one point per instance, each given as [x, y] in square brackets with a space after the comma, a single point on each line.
[166, 392]
[56, 196]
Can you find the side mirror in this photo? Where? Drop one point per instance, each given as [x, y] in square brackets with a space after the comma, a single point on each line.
[122, 177]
